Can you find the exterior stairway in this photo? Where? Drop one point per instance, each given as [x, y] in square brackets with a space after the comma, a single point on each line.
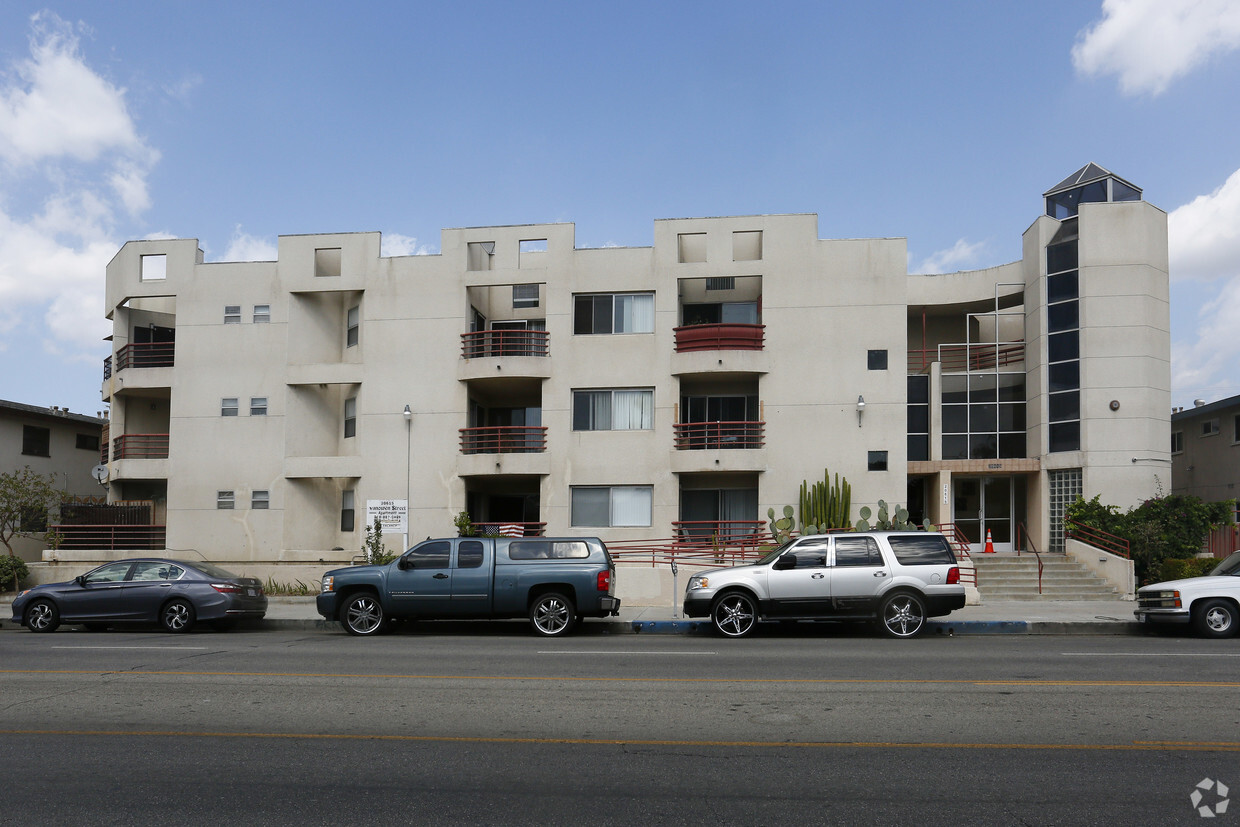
[1009, 577]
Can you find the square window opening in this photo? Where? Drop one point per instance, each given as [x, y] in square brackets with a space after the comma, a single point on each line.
[154, 267]
[262, 314]
[327, 262]
[876, 360]
[232, 314]
[747, 245]
[225, 500]
[691, 247]
[228, 406]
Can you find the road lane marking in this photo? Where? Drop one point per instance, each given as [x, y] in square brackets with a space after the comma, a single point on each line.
[635, 652]
[1134, 746]
[1152, 654]
[585, 679]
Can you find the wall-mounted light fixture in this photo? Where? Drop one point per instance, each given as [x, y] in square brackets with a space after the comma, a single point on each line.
[860, 409]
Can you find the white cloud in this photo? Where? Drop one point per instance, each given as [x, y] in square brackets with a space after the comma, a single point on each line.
[74, 163]
[1205, 367]
[395, 244]
[246, 247]
[1150, 43]
[1204, 235]
[951, 259]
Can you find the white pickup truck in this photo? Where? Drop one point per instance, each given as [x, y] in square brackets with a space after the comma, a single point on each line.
[1211, 603]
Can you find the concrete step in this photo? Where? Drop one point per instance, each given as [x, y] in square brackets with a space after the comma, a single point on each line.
[1008, 577]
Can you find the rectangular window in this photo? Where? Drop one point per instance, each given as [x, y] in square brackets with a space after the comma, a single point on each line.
[327, 262]
[154, 268]
[1209, 427]
[228, 406]
[260, 500]
[1235, 428]
[613, 410]
[1177, 442]
[918, 418]
[224, 500]
[350, 417]
[877, 460]
[258, 406]
[347, 513]
[353, 325]
[530, 252]
[613, 313]
[232, 314]
[524, 295]
[262, 314]
[876, 360]
[36, 441]
[88, 442]
[611, 507]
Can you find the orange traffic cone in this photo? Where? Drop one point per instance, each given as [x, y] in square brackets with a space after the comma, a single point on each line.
[990, 546]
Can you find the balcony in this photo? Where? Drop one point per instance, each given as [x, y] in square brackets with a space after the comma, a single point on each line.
[143, 355]
[701, 436]
[728, 336]
[504, 439]
[730, 531]
[957, 358]
[488, 343]
[140, 446]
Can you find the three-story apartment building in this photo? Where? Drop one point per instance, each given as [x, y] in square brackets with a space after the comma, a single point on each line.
[633, 393]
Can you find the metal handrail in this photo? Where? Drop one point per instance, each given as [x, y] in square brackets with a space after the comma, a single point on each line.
[960, 545]
[504, 439]
[146, 355]
[140, 446]
[697, 436]
[1023, 533]
[1098, 538]
[719, 336]
[482, 343]
[961, 356]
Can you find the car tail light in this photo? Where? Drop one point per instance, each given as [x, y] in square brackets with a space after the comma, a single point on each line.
[604, 580]
[226, 588]
[953, 575]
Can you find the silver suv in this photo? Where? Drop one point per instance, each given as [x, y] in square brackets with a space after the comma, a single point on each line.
[898, 578]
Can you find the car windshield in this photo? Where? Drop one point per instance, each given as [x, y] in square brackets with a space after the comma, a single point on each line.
[1229, 566]
[775, 553]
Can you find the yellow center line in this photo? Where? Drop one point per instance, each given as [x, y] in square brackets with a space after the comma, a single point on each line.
[624, 679]
[1135, 746]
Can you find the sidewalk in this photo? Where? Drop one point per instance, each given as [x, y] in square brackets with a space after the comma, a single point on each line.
[1011, 617]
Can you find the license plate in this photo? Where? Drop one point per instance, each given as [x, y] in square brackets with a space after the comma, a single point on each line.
[251, 593]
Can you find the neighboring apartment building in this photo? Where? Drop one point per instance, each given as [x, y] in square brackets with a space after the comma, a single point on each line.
[636, 393]
[53, 442]
[1205, 450]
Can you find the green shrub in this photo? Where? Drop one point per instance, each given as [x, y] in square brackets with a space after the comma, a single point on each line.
[12, 571]
[1178, 568]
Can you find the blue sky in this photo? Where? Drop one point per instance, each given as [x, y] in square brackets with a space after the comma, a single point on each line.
[939, 122]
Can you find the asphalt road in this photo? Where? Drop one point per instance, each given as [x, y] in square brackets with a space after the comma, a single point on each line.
[486, 724]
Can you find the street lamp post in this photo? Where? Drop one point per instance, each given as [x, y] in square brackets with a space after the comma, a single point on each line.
[408, 471]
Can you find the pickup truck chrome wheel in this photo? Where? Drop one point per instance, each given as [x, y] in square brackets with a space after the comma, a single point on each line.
[42, 616]
[552, 614]
[734, 614]
[1216, 618]
[903, 615]
[362, 615]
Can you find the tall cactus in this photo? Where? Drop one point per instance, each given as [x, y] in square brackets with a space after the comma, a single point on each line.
[825, 505]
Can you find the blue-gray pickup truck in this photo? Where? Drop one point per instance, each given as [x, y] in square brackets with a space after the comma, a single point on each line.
[554, 581]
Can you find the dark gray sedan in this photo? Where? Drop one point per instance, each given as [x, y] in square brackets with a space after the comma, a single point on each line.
[173, 593]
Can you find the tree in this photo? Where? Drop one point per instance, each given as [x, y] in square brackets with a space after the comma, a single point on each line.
[25, 498]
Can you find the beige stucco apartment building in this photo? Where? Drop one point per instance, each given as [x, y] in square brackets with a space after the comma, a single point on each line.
[638, 393]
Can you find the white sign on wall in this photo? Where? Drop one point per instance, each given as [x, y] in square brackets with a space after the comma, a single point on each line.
[946, 494]
[393, 515]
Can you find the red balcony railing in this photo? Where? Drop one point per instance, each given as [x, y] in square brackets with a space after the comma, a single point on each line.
[145, 355]
[960, 357]
[731, 531]
[729, 336]
[508, 528]
[504, 439]
[140, 446]
[77, 537]
[504, 343]
[699, 436]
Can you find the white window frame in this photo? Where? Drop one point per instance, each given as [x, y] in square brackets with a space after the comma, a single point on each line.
[262, 314]
[258, 406]
[260, 500]
[232, 314]
[647, 414]
[225, 500]
[229, 406]
[616, 511]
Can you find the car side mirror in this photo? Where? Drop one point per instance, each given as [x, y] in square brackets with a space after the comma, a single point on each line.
[80, 580]
[404, 564]
[788, 561]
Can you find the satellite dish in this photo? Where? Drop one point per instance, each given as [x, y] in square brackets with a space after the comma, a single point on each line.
[100, 473]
